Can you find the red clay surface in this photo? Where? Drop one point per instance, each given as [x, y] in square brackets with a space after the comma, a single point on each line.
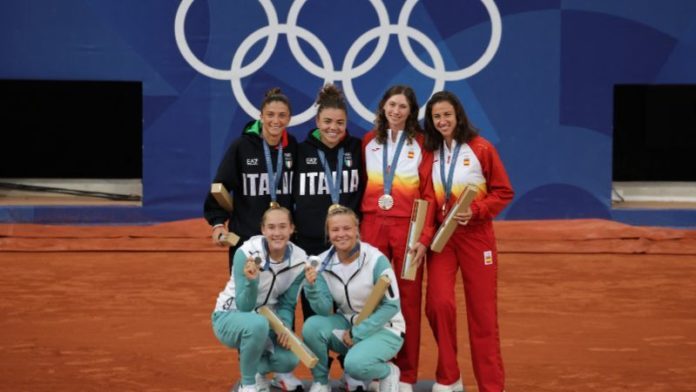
[584, 306]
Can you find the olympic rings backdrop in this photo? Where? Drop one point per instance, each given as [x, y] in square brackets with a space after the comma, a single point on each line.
[536, 76]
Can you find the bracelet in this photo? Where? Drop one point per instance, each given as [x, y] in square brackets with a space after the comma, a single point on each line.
[218, 225]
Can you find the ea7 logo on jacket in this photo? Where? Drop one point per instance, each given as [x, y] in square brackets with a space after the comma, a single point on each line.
[252, 161]
[257, 184]
[311, 160]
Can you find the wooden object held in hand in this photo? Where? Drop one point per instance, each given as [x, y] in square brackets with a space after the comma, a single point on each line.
[418, 215]
[230, 239]
[224, 199]
[296, 345]
[222, 196]
[449, 224]
[374, 299]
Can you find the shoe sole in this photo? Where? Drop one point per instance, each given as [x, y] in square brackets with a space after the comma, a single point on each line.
[282, 387]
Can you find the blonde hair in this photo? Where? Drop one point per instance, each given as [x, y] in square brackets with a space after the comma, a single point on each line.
[281, 209]
[341, 210]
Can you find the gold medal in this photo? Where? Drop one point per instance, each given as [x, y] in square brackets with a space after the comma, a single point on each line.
[334, 206]
[385, 202]
[274, 204]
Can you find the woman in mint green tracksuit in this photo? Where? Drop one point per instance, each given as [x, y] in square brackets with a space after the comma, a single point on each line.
[346, 275]
[268, 270]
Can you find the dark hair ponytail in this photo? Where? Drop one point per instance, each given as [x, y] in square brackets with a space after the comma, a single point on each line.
[275, 95]
[330, 97]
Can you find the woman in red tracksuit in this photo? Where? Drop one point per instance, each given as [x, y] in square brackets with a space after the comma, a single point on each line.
[398, 172]
[461, 157]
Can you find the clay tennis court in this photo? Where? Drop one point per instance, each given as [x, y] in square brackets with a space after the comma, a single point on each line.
[585, 305]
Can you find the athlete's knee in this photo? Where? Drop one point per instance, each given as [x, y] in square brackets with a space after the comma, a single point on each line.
[435, 306]
[286, 361]
[255, 326]
[356, 366]
[312, 327]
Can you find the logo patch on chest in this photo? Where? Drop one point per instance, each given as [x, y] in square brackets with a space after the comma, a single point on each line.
[348, 159]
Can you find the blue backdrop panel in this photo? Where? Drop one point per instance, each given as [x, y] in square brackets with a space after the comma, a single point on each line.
[535, 76]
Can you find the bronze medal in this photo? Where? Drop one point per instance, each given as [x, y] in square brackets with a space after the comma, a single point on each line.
[334, 206]
[385, 202]
[274, 204]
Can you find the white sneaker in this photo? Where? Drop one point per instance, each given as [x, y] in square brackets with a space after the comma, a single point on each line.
[287, 382]
[262, 383]
[317, 387]
[244, 388]
[351, 384]
[391, 382]
[456, 387]
[405, 387]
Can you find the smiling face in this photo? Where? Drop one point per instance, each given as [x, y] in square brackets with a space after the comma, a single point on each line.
[343, 232]
[331, 123]
[275, 116]
[444, 119]
[277, 229]
[396, 109]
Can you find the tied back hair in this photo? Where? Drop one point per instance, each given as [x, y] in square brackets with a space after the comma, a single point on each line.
[341, 210]
[275, 95]
[330, 97]
[282, 209]
[412, 127]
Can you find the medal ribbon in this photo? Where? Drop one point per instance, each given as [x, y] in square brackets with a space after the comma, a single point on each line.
[273, 178]
[286, 256]
[332, 251]
[334, 188]
[447, 180]
[389, 175]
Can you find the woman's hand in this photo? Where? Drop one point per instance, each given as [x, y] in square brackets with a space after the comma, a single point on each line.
[347, 339]
[219, 232]
[418, 252]
[251, 269]
[284, 340]
[310, 274]
[463, 217]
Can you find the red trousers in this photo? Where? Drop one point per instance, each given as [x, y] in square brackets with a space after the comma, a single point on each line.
[389, 235]
[472, 250]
